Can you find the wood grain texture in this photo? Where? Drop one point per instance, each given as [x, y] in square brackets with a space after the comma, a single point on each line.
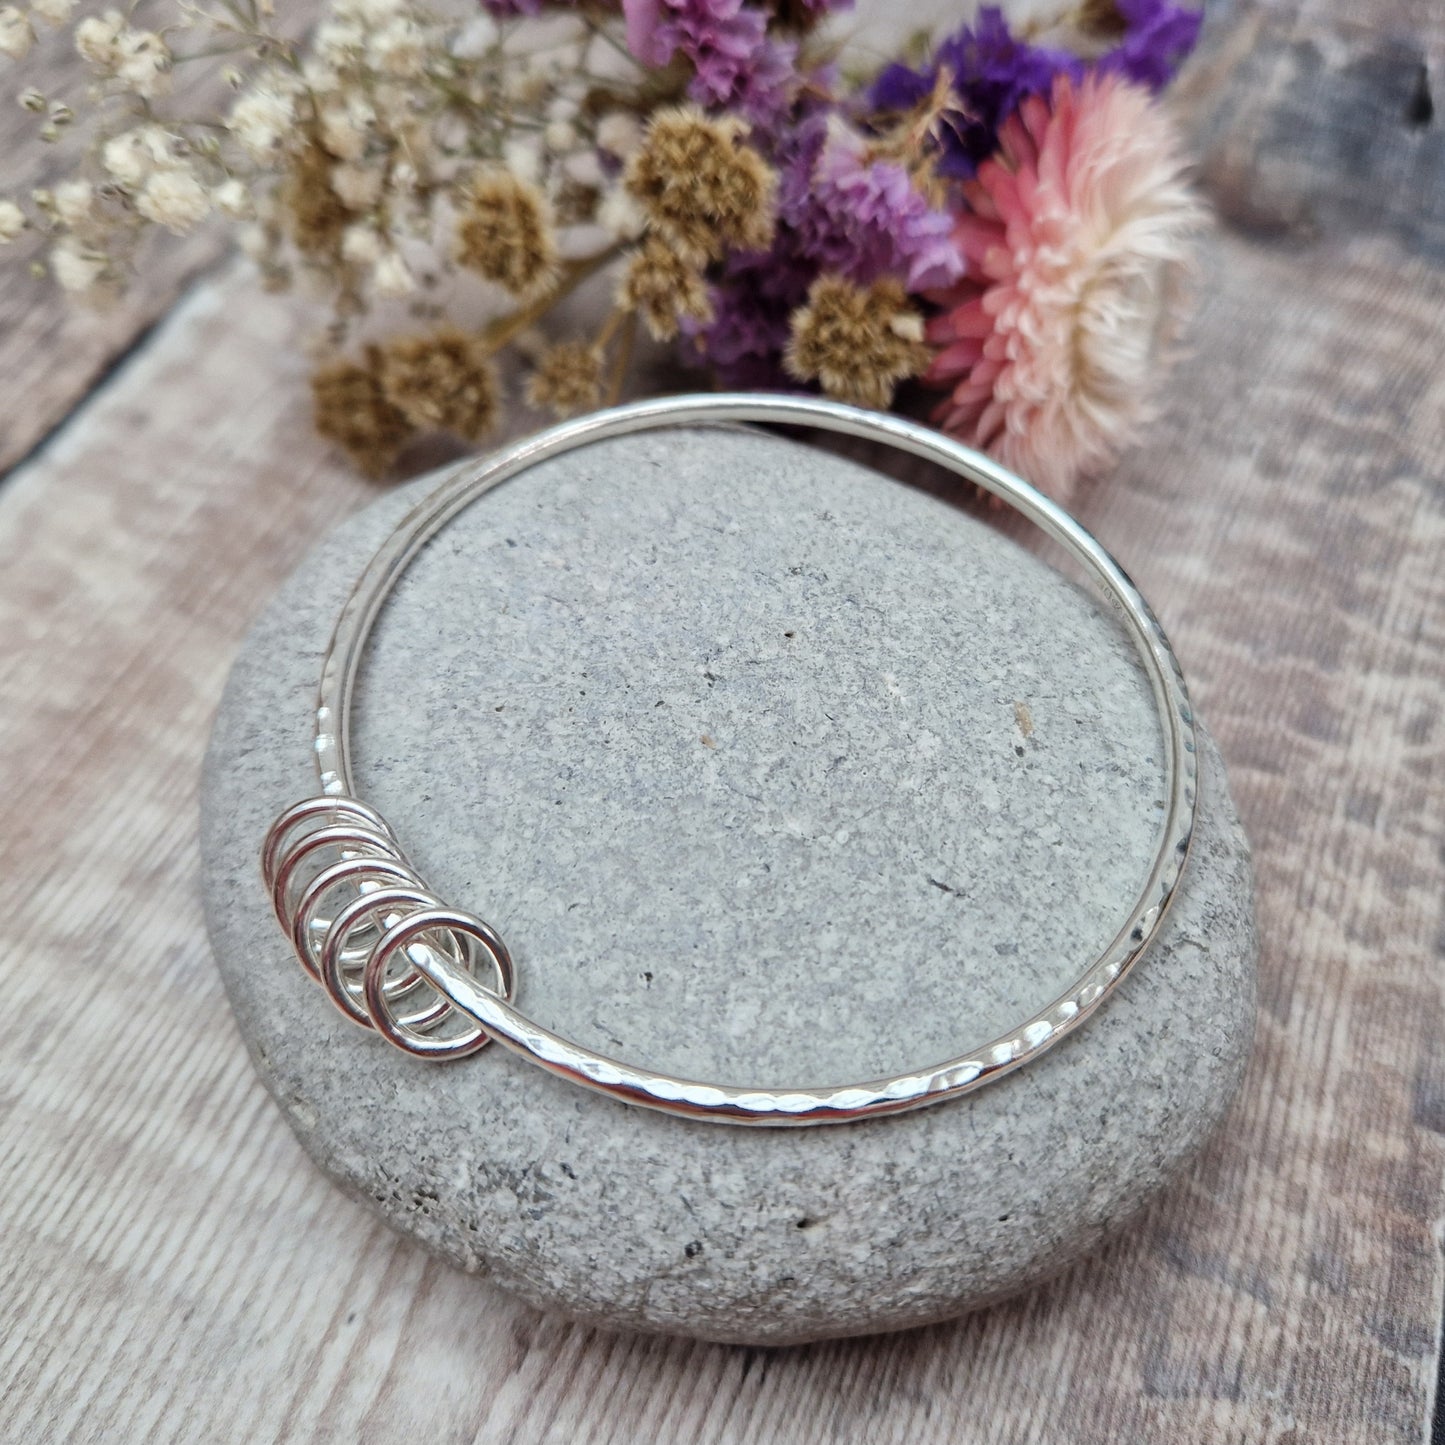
[176, 1270]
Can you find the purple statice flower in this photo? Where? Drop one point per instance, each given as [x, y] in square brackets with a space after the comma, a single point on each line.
[1158, 36]
[753, 302]
[763, 92]
[510, 9]
[864, 218]
[736, 65]
[837, 211]
[645, 37]
[991, 73]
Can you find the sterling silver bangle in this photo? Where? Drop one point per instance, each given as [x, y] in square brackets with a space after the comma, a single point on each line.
[438, 982]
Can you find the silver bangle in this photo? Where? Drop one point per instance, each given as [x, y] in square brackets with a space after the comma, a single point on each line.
[393, 957]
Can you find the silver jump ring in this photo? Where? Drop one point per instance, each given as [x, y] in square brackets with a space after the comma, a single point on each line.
[379, 910]
[306, 811]
[346, 840]
[309, 930]
[491, 1011]
[475, 934]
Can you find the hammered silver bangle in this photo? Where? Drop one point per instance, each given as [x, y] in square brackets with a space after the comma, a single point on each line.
[438, 982]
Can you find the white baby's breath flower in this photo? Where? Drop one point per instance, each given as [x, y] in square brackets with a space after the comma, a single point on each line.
[73, 201]
[255, 243]
[359, 187]
[174, 199]
[396, 103]
[12, 222]
[372, 12]
[52, 12]
[526, 83]
[339, 41]
[96, 37]
[131, 156]
[166, 149]
[231, 198]
[522, 155]
[391, 276]
[143, 63]
[560, 135]
[75, 267]
[398, 48]
[260, 120]
[127, 158]
[475, 38]
[403, 179]
[362, 245]
[619, 134]
[344, 127]
[321, 77]
[584, 168]
[16, 36]
[621, 216]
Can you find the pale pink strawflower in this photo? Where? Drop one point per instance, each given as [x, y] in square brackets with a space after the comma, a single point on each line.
[1076, 240]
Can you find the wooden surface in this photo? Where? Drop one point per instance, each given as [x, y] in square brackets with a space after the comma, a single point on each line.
[174, 1269]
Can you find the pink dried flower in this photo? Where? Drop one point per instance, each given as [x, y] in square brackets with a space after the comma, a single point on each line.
[1076, 240]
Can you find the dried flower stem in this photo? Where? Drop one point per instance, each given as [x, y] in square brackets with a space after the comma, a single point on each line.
[506, 329]
[622, 358]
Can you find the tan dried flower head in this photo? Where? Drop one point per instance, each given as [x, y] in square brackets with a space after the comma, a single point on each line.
[702, 186]
[663, 287]
[317, 216]
[352, 411]
[567, 379]
[1101, 19]
[504, 233]
[443, 380]
[857, 342]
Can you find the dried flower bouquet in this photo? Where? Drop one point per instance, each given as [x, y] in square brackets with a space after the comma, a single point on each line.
[1001, 217]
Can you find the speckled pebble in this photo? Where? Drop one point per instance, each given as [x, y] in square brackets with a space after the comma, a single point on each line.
[769, 770]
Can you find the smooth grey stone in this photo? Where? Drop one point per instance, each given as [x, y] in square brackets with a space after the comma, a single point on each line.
[770, 771]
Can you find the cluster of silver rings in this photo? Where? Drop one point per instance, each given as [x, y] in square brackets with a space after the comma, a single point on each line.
[365, 926]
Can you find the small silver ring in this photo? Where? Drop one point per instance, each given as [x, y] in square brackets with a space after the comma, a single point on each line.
[361, 841]
[411, 1037]
[281, 830]
[305, 925]
[367, 910]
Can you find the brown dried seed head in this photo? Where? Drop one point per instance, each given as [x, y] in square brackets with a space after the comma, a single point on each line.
[1101, 19]
[504, 233]
[701, 186]
[443, 381]
[317, 216]
[857, 342]
[352, 411]
[663, 287]
[567, 379]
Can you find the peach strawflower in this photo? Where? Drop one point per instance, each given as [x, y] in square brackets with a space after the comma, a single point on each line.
[1076, 240]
